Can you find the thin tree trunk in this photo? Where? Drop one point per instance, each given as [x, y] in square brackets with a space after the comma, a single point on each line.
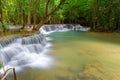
[35, 15]
[23, 19]
[29, 14]
[1, 17]
[34, 20]
[117, 18]
[21, 14]
[47, 6]
[95, 16]
[29, 19]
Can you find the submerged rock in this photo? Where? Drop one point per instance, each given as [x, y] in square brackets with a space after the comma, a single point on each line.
[97, 71]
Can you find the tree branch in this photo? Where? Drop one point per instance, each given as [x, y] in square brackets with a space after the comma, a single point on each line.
[47, 4]
[7, 72]
[58, 7]
[43, 20]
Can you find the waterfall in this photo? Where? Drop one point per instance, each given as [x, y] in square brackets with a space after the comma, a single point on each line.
[31, 51]
[22, 52]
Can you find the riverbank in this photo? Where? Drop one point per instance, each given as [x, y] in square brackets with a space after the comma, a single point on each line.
[16, 33]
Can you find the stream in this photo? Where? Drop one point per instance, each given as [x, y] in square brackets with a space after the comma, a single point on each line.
[65, 54]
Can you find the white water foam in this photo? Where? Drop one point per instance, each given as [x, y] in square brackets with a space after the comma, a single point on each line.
[32, 53]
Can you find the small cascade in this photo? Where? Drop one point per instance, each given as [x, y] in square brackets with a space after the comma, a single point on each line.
[46, 29]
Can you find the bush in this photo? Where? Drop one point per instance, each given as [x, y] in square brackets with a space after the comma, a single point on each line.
[4, 26]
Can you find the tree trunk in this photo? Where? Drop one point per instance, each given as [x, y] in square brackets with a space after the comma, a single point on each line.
[35, 13]
[1, 17]
[29, 14]
[34, 20]
[95, 9]
[23, 19]
[21, 14]
[47, 6]
[41, 23]
[117, 18]
[29, 19]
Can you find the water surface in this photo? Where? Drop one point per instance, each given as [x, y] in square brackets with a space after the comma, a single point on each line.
[80, 56]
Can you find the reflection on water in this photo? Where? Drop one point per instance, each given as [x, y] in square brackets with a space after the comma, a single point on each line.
[80, 56]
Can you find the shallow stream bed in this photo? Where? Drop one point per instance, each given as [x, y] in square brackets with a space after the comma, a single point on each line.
[80, 56]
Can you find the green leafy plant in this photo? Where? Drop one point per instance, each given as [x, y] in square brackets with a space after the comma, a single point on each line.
[1, 65]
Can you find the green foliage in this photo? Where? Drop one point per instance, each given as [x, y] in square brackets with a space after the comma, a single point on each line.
[1, 65]
[4, 26]
[100, 14]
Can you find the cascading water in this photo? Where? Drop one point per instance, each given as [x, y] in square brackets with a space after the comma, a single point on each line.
[5, 42]
[30, 51]
[26, 52]
[47, 29]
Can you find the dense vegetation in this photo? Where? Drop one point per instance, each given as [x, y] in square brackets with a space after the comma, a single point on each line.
[100, 15]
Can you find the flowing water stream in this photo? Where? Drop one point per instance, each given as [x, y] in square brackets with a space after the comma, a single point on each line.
[74, 55]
